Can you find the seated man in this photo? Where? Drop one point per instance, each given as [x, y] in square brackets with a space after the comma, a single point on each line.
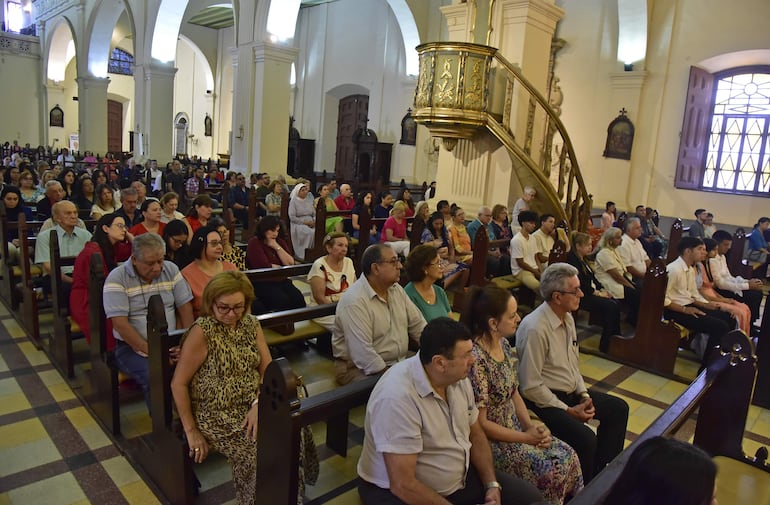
[424, 442]
[550, 379]
[129, 199]
[632, 251]
[375, 319]
[54, 192]
[494, 257]
[523, 262]
[239, 200]
[738, 288]
[684, 303]
[544, 240]
[345, 200]
[128, 289]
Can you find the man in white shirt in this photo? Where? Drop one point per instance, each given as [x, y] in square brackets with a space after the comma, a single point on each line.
[523, 262]
[631, 250]
[685, 305]
[745, 291]
[544, 240]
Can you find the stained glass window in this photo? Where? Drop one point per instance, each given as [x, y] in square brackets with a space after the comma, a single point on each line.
[121, 62]
[738, 147]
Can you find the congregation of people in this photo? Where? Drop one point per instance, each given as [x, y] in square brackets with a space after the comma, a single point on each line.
[451, 416]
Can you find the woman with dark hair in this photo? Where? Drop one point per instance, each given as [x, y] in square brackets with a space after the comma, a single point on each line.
[382, 209]
[104, 203]
[14, 206]
[234, 255]
[67, 180]
[758, 248]
[404, 195]
[333, 223]
[99, 177]
[12, 176]
[175, 236]
[151, 223]
[665, 471]
[109, 241]
[436, 235]
[363, 204]
[520, 446]
[737, 310]
[268, 249]
[199, 213]
[169, 203]
[205, 249]
[501, 227]
[84, 192]
[31, 193]
[423, 266]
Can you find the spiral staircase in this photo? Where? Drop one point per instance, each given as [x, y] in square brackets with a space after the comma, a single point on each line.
[466, 88]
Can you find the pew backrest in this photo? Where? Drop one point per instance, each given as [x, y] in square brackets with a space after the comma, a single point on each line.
[673, 240]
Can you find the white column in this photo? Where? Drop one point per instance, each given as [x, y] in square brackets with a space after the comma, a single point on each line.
[92, 113]
[154, 110]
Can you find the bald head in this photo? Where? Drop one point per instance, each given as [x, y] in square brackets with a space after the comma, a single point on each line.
[346, 191]
[65, 214]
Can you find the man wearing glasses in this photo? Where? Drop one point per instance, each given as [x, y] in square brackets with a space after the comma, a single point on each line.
[375, 320]
[127, 291]
[550, 379]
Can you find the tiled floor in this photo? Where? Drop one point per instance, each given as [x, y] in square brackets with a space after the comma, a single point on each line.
[53, 452]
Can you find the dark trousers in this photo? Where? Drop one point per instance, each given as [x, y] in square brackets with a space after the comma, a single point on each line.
[242, 215]
[515, 491]
[633, 298]
[609, 310]
[750, 297]
[715, 324]
[595, 451]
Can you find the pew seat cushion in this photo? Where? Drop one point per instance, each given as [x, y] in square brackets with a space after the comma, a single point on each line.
[36, 270]
[507, 282]
[740, 483]
[303, 330]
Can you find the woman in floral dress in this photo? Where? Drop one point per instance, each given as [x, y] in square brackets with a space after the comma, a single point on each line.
[520, 446]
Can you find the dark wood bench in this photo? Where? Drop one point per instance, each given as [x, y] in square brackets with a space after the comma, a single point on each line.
[64, 328]
[735, 256]
[478, 276]
[28, 313]
[282, 415]
[318, 250]
[9, 291]
[721, 394]
[674, 236]
[762, 388]
[654, 345]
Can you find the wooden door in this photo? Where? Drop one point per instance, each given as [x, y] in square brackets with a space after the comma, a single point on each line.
[353, 114]
[114, 126]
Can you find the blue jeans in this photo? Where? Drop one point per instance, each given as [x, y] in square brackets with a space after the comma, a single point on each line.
[135, 366]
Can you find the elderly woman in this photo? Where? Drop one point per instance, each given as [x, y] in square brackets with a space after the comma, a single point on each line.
[333, 223]
[274, 198]
[331, 275]
[206, 251]
[216, 383]
[520, 446]
[436, 235]
[104, 201]
[521, 204]
[31, 193]
[302, 219]
[595, 297]
[151, 223]
[175, 236]
[611, 272]
[169, 203]
[394, 232]
[199, 213]
[234, 255]
[423, 266]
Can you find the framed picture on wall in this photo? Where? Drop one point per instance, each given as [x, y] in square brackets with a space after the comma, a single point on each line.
[620, 137]
[408, 129]
[56, 117]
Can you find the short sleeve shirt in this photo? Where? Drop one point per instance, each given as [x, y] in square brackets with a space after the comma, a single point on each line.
[522, 247]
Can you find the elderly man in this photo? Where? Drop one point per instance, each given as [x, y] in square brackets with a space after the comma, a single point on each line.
[141, 193]
[484, 219]
[523, 262]
[550, 379]
[72, 240]
[631, 250]
[54, 192]
[129, 199]
[375, 319]
[128, 289]
[424, 442]
[738, 288]
[345, 201]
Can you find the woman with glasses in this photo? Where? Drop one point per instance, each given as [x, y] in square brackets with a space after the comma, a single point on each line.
[152, 224]
[175, 237]
[268, 249]
[234, 255]
[423, 266]
[520, 446]
[216, 383]
[111, 243]
[205, 249]
[31, 193]
[436, 235]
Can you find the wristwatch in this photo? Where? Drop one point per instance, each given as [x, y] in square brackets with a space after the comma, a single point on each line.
[493, 484]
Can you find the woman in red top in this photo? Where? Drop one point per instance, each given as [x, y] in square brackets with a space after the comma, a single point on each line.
[152, 212]
[110, 242]
[199, 214]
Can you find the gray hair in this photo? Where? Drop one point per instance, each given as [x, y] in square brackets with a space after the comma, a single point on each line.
[530, 190]
[129, 191]
[147, 243]
[554, 278]
[610, 233]
[484, 208]
[372, 255]
[51, 184]
[629, 221]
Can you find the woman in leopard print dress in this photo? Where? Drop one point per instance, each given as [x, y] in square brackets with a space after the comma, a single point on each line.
[216, 383]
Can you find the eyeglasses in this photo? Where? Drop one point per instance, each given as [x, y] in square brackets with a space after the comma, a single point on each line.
[393, 261]
[178, 241]
[226, 309]
[573, 293]
[215, 243]
[119, 226]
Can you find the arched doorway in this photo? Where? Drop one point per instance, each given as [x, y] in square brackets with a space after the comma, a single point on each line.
[181, 125]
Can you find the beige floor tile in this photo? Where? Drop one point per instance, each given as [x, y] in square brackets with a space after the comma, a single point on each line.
[670, 392]
[13, 328]
[138, 492]
[644, 383]
[120, 471]
[642, 418]
[34, 356]
[21, 432]
[28, 455]
[3, 364]
[9, 386]
[61, 489]
[335, 471]
[349, 498]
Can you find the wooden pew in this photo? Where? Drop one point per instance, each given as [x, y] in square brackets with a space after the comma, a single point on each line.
[64, 328]
[318, 250]
[282, 415]
[721, 394]
[29, 314]
[762, 389]
[654, 345]
[415, 234]
[735, 262]
[9, 291]
[673, 240]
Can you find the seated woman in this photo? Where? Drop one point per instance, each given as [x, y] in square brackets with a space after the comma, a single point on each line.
[268, 250]
[423, 266]
[205, 249]
[104, 201]
[67, 179]
[169, 203]
[520, 446]
[152, 223]
[109, 241]
[705, 281]
[613, 275]
[333, 223]
[31, 193]
[758, 248]
[234, 255]
[302, 219]
[436, 234]
[404, 195]
[331, 275]
[175, 236]
[394, 232]
[460, 238]
[83, 195]
[422, 211]
[14, 206]
[382, 209]
[665, 471]
[274, 198]
[199, 213]
[363, 204]
[595, 297]
[216, 382]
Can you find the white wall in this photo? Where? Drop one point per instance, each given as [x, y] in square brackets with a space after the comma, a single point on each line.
[19, 78]
[191, 97]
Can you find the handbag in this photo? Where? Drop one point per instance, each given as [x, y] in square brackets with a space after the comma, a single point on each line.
[308, 454]
[756, 256]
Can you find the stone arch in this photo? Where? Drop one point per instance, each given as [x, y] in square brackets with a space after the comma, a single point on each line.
[60, 48]
[202, 59]
[99, 33]
[735, 59]
[164, 34]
